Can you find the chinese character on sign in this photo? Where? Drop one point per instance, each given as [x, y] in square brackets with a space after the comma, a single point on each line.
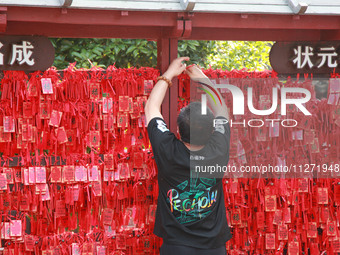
[303, 58]
[328, 53]
[46, 84]
[22, 54]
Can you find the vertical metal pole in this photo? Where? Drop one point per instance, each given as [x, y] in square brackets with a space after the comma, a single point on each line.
[166, 52]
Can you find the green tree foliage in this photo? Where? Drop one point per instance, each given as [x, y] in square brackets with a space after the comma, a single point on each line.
[253, 55]
[129, 52]
[104, 52]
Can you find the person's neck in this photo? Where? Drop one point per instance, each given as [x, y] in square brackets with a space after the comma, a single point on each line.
[193, 147]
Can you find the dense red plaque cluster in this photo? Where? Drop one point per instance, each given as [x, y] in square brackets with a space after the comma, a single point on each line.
[77, 174]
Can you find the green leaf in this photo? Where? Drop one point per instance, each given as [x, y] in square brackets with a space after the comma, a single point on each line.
[192, 47]
[76, 54]
[131, 48]
[97, 51]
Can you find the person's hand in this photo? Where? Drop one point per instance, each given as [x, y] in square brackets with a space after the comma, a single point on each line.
[195, 72]
[176, 67]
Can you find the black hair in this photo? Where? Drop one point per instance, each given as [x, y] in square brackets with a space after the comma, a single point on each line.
[194, 127]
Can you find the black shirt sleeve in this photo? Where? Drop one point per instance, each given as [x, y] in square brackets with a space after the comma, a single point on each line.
[158, 133]
[222, 127]
[220, 139]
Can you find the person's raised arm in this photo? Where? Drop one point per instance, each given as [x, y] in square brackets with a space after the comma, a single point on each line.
[155, 100]
[218, 109]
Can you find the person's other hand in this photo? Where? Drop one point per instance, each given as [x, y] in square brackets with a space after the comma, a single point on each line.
[195, 72]
[176, 67]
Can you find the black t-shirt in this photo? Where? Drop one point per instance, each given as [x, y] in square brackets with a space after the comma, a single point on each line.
[190, 209]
